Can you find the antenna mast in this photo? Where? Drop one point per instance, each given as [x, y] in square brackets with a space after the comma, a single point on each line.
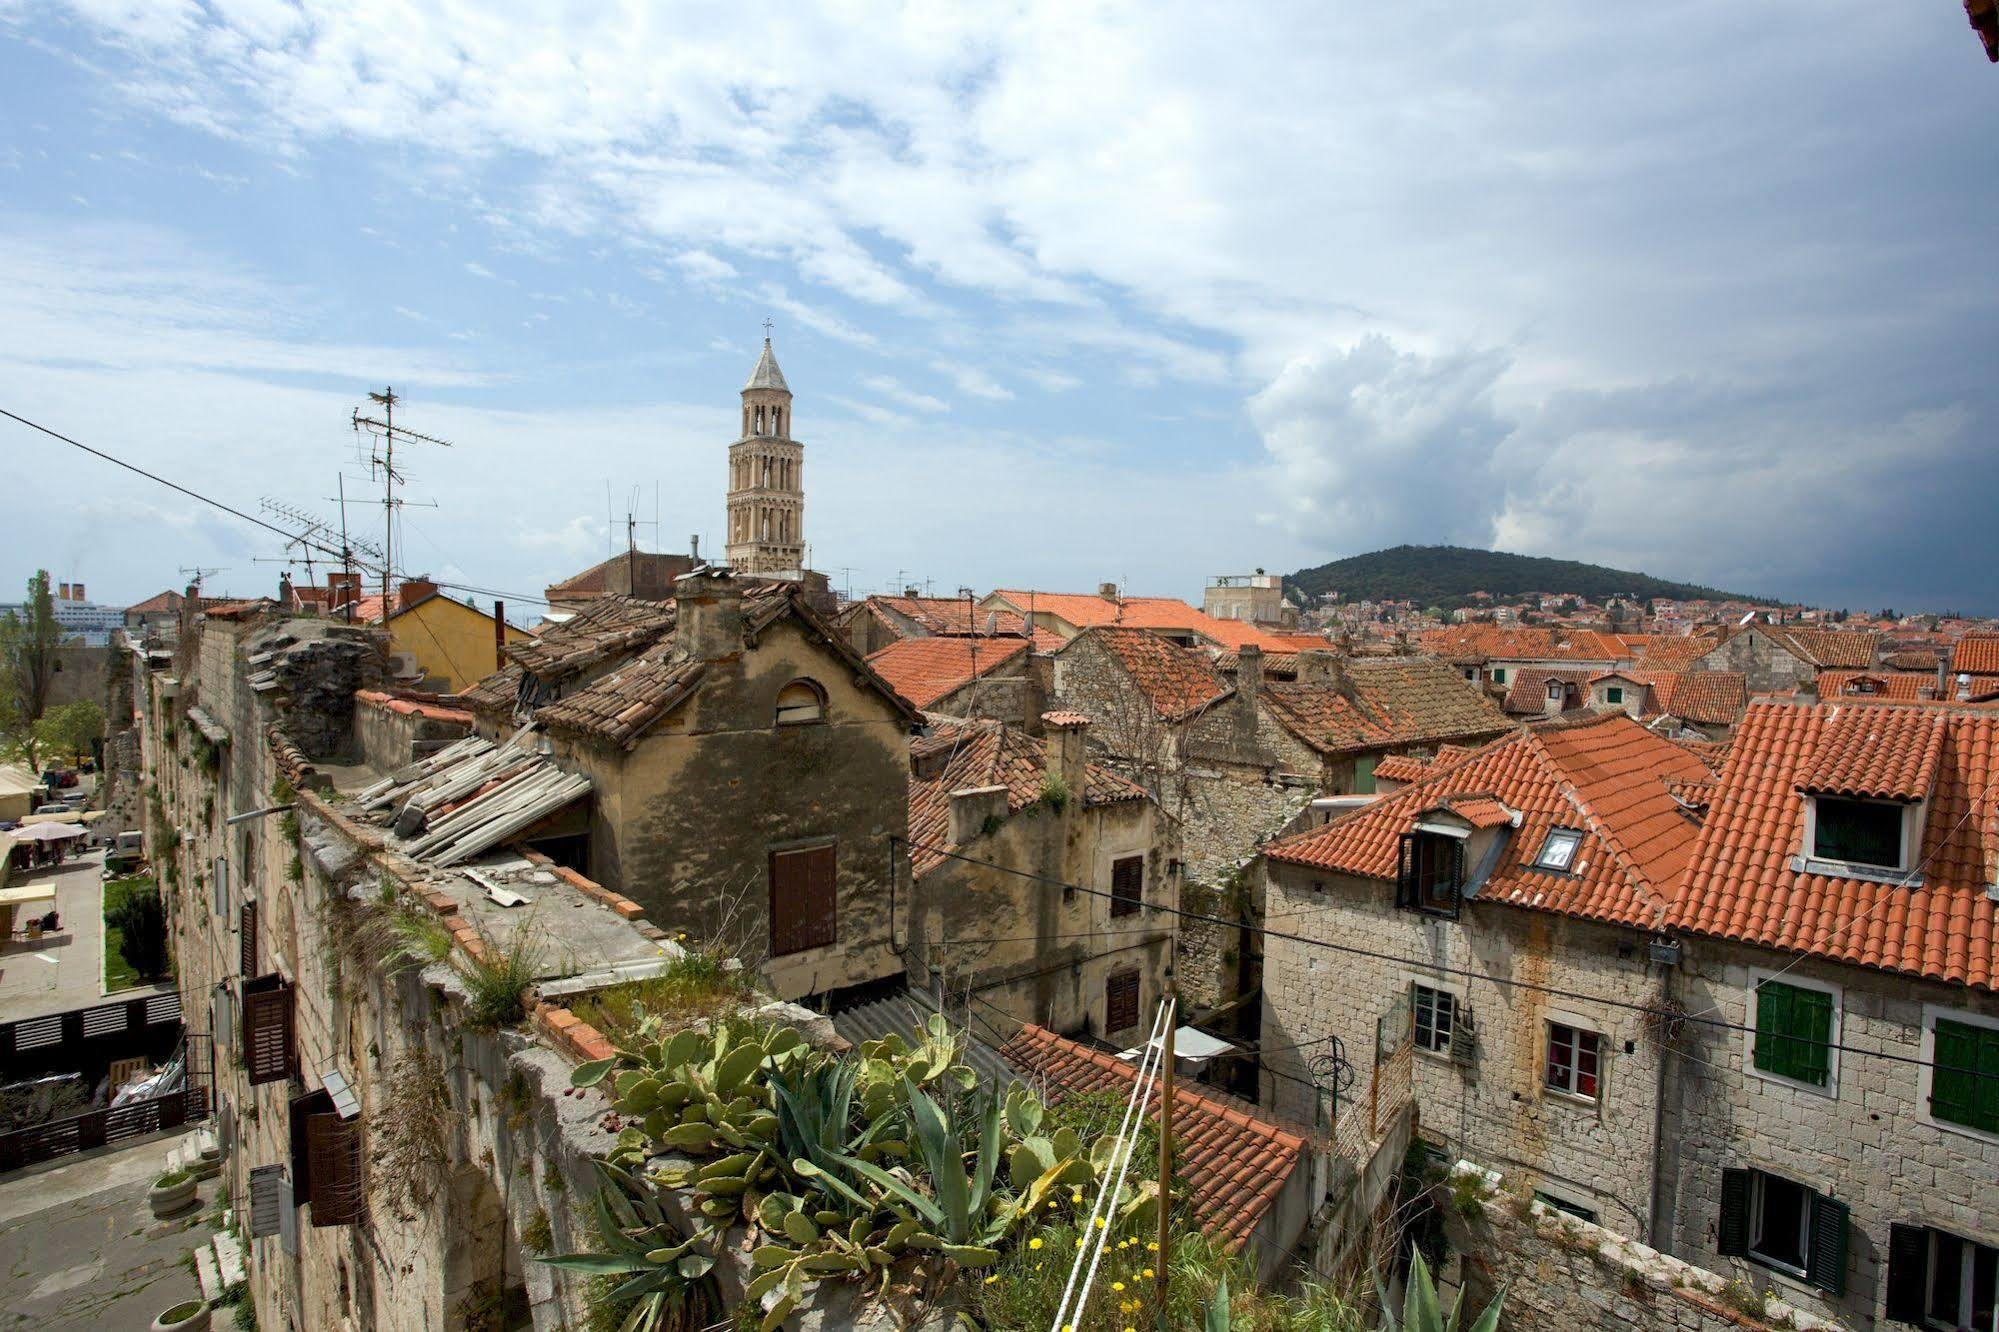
[387, 432]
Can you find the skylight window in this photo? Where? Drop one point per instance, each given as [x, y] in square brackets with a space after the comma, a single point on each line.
[1559, 851]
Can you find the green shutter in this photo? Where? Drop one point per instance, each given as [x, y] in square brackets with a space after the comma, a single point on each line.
[1825, 1263]
[1794, 1032]
[1964, 1085]
[1732, 1227]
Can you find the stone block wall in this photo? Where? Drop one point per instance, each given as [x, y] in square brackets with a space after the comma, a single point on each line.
[1561, 1272]
[1867, 1141]
[1495, 1109]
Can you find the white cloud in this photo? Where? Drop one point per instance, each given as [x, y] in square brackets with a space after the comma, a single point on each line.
[894, 389]
[970, 379]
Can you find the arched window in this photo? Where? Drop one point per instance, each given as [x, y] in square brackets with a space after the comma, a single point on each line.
[800, 703]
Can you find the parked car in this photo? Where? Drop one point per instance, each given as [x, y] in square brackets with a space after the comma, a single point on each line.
[55, 808]
[127, 855]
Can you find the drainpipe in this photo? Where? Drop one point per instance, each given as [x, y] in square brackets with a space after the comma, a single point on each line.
[1664, 1173]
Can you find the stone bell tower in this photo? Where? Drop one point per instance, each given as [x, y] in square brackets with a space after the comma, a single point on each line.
[766, 479]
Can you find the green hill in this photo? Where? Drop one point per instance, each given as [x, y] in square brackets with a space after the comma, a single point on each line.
[1447, 576]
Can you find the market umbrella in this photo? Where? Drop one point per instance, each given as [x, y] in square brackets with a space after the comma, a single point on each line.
[48, 832]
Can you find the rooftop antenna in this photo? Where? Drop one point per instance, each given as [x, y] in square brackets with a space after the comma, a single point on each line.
[197, 573]
[386, 432]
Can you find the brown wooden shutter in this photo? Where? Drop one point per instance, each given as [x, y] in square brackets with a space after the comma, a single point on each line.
[267, 1200]
[804, 899]
[267, 1029]
[1405, 870]
[333, 1148]
[303, 1108]
[1908, 1272]
[1127, 885]
[1121, 1001]
[247, 938]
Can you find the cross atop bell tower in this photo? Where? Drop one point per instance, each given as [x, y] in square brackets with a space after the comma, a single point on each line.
[766, 477]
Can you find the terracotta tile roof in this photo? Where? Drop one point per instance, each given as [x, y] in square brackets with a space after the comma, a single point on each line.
[1697, 795]
[1479, 811]
[1840, 649]
[985, 753]
[943, 615]
[1527, 693]
[1710, 698]
[626, 701]
[1714, 753]
[1385, 703]
[1236, 1164]
[1448, 754]
[1490, 642]
[1276, 665]
[1086, 610]
[611, 626]
[1604, 775]
[1975, 654]
[1401, 768]
[1658, 653]
[1883, 753]
[1905, 686]
[924, 670]
[156, 604]
[1913, 659]
[1176, 682]
[1741, 885]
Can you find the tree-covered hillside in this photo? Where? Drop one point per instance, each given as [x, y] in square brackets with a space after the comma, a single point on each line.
[1447, 576]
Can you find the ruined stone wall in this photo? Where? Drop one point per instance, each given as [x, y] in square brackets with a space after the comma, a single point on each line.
[1496, 1109]
[1562, 1272]
[1031, 949]
[394, 732]
[1867, 1140]
[81, 674]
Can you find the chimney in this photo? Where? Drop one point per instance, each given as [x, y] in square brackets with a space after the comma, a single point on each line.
[499, 635]
[1068, 757]
[971, 807]
[1248, 691]
[1037, 684]
[413, 590]
[694, 548]
[1108, 591]
[1323, 668]
[709, 606]
[285, 590]
[1943, 677]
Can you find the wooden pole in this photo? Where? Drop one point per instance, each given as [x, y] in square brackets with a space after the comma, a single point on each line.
[1165, 1162]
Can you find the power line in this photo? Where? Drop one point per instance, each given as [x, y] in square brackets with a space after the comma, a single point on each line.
[1424, 964]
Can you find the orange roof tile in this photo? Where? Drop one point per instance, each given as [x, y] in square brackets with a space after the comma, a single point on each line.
[1604, 775]
[1527, 694]
[942, 615]
[1383, 703]
[1235, 1162]
[1401, 768]
[924, 670]
[1178, 683]
[1741, 884]
[1843, 649]
[1884, 753]
[1490, 642]
[1975, 654]
[1902, 685]
[985, 753]
[1709, 698]
[1658, 653]
[1086, 610]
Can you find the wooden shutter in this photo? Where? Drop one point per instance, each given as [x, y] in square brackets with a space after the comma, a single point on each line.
[1732, 1234]
[267, 1029]
[1121, 1001]
[1825, 1265]
[266, 1200]
[303, 1108]
[333, 1147]
[1908, 1272]
[1964, 1076]
[804, 899]
[1127, 885]
[247, 938]
[1405, 871]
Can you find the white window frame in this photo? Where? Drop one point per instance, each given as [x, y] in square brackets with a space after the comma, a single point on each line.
[1575, 839]
[1757, 1177]
[1913, 818]
[1757, 975]
[1547, 1048]
[1457, 1007]
[1966, 1272]
[1926, 1076]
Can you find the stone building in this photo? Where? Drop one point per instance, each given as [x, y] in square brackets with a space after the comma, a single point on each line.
[647, 575]
[999, 822]
[1749, 1020]
[972, 676]
[766, 478]
[1532, 860]
[746, 770]
[1257, 598]
[878, 622]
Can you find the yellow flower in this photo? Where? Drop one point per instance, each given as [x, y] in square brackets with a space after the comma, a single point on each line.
[1079, 1241]
[1117, 1285]
[1100, 1223]
[1152, 1246]
[1034, 1243]
[994, 1277]
[1149, 1274]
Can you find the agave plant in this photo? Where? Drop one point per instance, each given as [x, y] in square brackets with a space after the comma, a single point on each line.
[663, 1273]
[1421, 1311]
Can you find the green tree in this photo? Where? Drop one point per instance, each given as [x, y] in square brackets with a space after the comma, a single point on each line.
[27, 666]
[69, 731]
[141, 920]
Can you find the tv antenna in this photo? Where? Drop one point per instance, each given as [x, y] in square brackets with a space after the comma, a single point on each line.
[382, 462]
[197, 573]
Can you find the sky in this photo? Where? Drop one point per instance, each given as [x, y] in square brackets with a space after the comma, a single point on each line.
[1068, 293]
